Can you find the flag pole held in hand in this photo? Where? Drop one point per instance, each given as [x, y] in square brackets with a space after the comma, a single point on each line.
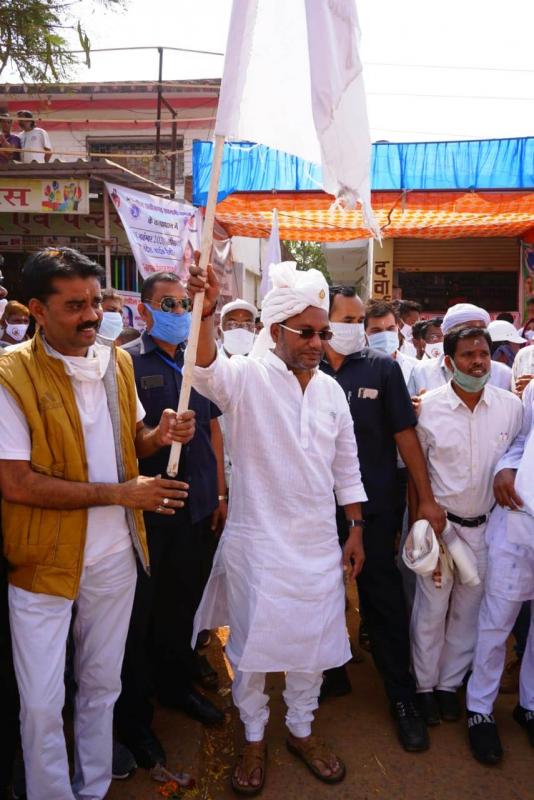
[190, 355]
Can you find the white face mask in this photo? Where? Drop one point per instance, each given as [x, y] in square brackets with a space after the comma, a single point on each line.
[17, 332]
[348, 338]
[386, 341]
[238, 342]
[406, 331]
[529, 335]
[111, 325]
[434, 350]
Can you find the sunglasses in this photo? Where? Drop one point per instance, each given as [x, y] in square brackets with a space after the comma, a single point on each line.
[309, 333]
[172, 304]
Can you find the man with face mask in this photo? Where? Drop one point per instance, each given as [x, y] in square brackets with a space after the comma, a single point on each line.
[431, 373]
[277, 578]
[112, 322]
[181, 548]
[238, 327]
[464, 428]
[14, 324]
[433, 337]
[238, 332]
[382, 331]
[384, 420]
[409, 313]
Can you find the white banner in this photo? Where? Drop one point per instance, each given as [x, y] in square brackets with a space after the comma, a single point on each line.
[163, 234]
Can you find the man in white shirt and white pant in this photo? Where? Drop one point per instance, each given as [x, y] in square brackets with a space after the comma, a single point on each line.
[277, 577]
[509, 583]
[464, 427]
[70, 432]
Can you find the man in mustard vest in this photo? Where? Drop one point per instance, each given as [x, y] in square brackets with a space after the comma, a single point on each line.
[71, 432]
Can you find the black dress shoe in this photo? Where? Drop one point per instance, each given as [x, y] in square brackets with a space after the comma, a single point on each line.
[336, 683]
[429, 708]
[411, 727]
[196, 706]
[525, 718]
[204, 673]
[123, 764]
[484, 738]
[449, 705]
[203, 639]
[146, 748]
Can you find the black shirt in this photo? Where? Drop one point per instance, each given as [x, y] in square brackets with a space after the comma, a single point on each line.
[158, 383]
[380, 406]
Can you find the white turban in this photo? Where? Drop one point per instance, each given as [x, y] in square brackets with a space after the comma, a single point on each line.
[462, 313]
[293, 291]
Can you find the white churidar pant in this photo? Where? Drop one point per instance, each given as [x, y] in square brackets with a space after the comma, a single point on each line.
[510, 582]
[40, 626]
[443, 627]
[301, 696]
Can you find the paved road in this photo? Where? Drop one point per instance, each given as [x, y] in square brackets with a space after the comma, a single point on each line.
[360, 728]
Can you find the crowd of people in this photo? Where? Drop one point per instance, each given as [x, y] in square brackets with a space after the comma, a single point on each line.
[341, 442]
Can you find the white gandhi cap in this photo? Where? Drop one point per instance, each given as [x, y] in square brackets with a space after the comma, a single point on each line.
[238, 305]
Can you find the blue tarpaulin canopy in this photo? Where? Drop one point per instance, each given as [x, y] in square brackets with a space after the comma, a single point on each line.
[485, 164]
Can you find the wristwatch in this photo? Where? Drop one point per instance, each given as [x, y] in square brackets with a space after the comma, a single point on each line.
[355, 523]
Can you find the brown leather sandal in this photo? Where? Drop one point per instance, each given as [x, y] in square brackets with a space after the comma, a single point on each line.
[315, 749]
[253, 757]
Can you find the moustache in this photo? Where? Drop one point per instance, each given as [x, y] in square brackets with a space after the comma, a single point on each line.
[88, 326]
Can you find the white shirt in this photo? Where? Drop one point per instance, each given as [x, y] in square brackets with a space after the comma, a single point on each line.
[277, 578]
[407, 365]
[462, 447]
[409, 349]
[520, 455]
[523, 363]
[37, 139]
[107, 529]
[430, 373]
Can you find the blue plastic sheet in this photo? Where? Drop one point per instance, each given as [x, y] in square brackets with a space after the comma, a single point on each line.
[481, 164]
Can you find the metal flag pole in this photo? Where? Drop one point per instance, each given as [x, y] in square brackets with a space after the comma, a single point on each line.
[190, 355]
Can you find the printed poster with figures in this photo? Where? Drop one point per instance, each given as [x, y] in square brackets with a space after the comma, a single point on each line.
[57, 196]
[163, 234]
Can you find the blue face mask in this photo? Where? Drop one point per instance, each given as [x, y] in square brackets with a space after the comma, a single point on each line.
[169, 327]
[386, 341]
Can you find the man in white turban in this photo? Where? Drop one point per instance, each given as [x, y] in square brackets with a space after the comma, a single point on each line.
[431, 373]
[277, 578]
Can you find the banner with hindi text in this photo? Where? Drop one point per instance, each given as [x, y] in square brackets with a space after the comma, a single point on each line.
[163, 234]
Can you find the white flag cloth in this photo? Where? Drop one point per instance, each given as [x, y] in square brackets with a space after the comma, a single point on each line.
[293, 81]
[272, 256]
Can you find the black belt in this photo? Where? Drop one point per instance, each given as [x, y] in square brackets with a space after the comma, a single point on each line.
[472, 522]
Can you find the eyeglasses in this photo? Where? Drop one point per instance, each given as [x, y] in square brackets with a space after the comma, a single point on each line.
[172, 304]
[309, 333]
[233, 325]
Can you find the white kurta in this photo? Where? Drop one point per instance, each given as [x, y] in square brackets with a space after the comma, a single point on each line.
[277, 577]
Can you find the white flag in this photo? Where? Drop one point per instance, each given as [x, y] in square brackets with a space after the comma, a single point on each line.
[273, 255]
[293, 81]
